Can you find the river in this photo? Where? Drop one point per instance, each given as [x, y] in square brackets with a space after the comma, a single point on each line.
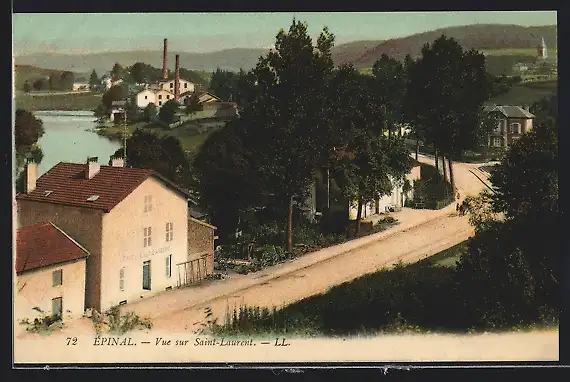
[69, 137]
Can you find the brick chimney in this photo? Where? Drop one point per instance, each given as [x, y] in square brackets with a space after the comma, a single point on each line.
[165, 60]
[31, 169]
[92, 167]
[177, 78]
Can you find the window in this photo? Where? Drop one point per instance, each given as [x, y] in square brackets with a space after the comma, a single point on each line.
[515, 128]
[169, 231]
[56, 307]
[145, 97]
[122, 279]
[497, 141]
[146, 275]
[159, 103]
[147, 236]
[57, 277]
[160, 96]
[168, 97]
[168, 265]
[499, 125]
[148, 203]
[171, 84]
[185, 85]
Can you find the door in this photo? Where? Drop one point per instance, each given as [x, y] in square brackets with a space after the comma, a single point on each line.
[146, 275]
[56, 307]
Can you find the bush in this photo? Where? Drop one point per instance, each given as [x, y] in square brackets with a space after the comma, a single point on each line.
[42, 323]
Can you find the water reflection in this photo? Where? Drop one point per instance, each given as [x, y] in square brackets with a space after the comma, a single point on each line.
[70, 137]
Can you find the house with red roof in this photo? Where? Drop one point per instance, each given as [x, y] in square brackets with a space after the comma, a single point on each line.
[50, 272]
[134, 222]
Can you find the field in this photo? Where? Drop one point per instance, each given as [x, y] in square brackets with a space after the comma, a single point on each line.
[516, 52]
[79, 101]
[527, 93]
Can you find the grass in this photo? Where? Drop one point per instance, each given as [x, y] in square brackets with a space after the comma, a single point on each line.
[527, 93]
[448, 257]
[516, 52]
[190, 137]
[80, 101]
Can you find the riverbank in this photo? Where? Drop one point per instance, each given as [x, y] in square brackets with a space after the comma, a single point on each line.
[57, 101]
[191, 135]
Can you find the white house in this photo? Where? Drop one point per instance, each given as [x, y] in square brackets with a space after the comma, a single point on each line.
[183, 85]
[80, 86]
[158, 97]
[145, 97]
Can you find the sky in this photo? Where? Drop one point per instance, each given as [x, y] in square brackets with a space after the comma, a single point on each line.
[208, 32]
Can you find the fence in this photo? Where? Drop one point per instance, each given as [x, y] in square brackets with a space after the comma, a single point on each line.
[193, 271]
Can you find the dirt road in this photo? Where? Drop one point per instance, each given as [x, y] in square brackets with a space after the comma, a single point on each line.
[409, 246]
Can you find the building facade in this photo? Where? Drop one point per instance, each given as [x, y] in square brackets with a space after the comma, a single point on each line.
[50, 273]
[512, 122]
[134, 223]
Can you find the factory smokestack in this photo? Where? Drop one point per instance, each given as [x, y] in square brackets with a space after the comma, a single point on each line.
[165, 60]
[177, 78]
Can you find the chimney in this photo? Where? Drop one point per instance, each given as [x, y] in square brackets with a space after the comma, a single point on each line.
[117, 162]
[177, 78]
[92, 167]
[164, 60]
[31, 169]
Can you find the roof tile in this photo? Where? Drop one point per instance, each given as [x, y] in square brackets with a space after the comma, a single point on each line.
[43, 245]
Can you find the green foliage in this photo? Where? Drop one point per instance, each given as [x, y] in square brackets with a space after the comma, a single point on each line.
[168, 111]
[192, 104]
[223, 84]
[118, 71]
[44, 323]
[150, 113]
[94, 81]
[164, 154]
[431, 190]
[115, 93]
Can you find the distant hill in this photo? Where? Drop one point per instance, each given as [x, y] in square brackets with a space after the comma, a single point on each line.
[229, 59]
[480, 37]
[363, 54]
[31, 73]
[352, 51]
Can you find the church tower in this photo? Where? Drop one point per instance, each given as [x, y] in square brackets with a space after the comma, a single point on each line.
[541, 50]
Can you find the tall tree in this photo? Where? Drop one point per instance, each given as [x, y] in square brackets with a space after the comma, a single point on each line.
[28, 129]
[224, 84]
[117, 71]
[115, 93]
[150, 112]
[453, 85]
[54, 81]
[286, 118]
[94, 81]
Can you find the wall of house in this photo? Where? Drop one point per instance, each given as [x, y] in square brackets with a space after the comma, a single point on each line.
[184, 86]
[84, 225]
[35, 289]
[123, 243]
[201, 241]
[143, 102]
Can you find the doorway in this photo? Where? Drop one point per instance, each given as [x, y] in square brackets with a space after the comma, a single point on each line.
[146, 275]
[56, 307]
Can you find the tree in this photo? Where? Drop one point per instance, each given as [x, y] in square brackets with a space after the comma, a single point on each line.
[94, 81]
[66, 81]
[132, 110]
[168, 111]
[228, 184]
[193, 105]
[285, 120]
[138, 72]
[150, 112]
[27, 131]
[27, 87]
[224, 84]
[115, 93]
[54, 81]
[118, 71]
[453, 85]
[40, 84]
[513, 262]
[162, 154]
